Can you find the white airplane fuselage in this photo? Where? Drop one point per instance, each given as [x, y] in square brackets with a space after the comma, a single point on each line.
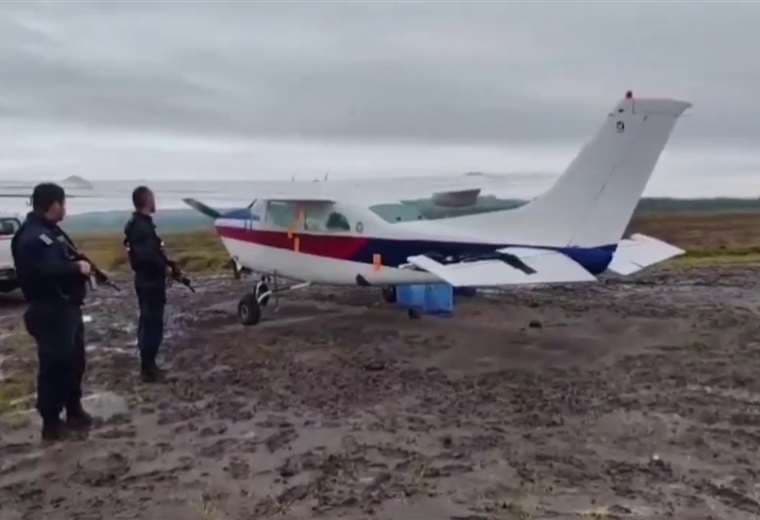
[371, 250]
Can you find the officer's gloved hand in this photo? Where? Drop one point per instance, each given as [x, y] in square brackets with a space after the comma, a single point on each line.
[84, 267]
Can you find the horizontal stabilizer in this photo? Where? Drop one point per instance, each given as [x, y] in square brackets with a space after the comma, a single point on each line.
[639, 252]
[539, 266]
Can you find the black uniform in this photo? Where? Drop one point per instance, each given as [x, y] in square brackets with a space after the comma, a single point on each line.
[148, 261]
[50, 279]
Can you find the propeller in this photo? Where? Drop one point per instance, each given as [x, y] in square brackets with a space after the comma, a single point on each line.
[202, 208]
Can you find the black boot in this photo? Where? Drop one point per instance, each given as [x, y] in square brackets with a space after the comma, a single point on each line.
[151, 374]
[77, 418]
[53, 430]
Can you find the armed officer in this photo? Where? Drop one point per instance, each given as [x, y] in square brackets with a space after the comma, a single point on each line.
[151, 267]
[53, 279]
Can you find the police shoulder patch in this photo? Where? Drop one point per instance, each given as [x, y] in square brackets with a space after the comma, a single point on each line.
[46, 239]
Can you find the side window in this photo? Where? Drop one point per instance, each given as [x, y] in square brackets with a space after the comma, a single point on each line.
[338, 222]
[8, 226]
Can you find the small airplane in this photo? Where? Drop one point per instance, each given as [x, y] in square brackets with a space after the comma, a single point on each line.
[571, 233]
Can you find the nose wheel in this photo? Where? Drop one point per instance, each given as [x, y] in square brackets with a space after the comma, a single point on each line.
[249, 310]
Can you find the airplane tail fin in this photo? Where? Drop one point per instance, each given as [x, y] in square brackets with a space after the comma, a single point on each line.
[592, 202]
[202, 208]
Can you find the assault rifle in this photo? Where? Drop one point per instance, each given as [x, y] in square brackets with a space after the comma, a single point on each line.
[97, 276]
[179, 276]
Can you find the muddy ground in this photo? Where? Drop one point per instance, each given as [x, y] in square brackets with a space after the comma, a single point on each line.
[615, 400]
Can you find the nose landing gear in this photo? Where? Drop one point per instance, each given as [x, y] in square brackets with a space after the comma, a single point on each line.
[251, 305]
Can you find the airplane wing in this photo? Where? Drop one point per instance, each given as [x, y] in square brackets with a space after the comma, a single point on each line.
[305, 198]
[519, 266]
[639, 252]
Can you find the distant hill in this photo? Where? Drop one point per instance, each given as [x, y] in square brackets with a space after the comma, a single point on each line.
[76, 182]
[168, 221]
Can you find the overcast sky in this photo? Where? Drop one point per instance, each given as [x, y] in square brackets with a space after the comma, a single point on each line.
[254, 90]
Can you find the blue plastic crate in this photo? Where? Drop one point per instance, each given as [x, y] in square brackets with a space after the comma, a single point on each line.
[426, 298]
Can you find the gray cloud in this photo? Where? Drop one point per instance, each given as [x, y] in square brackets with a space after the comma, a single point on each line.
[470, 73]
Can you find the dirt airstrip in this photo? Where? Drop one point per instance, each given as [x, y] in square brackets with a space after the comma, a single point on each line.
[615, 400]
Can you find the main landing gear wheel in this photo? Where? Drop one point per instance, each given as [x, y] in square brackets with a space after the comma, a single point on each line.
[389, 294]
[249, 310]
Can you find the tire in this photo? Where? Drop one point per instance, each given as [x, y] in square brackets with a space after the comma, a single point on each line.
[249, 311]
[389, 294]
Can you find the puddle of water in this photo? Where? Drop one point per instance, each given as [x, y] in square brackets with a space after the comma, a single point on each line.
[105, 405]
[97, 347]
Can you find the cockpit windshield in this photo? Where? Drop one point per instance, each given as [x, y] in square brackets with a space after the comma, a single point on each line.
[306, 216]
[282, 214]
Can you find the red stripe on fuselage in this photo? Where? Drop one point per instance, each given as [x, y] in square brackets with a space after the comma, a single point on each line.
[330, 246]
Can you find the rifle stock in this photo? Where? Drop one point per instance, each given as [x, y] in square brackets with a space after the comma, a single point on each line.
[179, 276]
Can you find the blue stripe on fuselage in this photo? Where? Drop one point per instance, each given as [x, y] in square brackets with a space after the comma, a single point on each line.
[396, 252]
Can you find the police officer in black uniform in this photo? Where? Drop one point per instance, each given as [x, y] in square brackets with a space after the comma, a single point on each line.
[53, 280]
[151, 267]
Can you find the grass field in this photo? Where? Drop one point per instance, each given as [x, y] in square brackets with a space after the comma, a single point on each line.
[707, 237]
[195, 252]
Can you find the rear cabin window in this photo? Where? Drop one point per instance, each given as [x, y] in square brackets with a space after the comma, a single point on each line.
[397, 212]
[337, 222]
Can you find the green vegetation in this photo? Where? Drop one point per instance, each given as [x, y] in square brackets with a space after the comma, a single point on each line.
[19, 371]
[199, 251]
[708, 238]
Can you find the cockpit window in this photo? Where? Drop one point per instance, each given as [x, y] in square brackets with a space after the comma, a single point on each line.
[282, 214]
[305, 216]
